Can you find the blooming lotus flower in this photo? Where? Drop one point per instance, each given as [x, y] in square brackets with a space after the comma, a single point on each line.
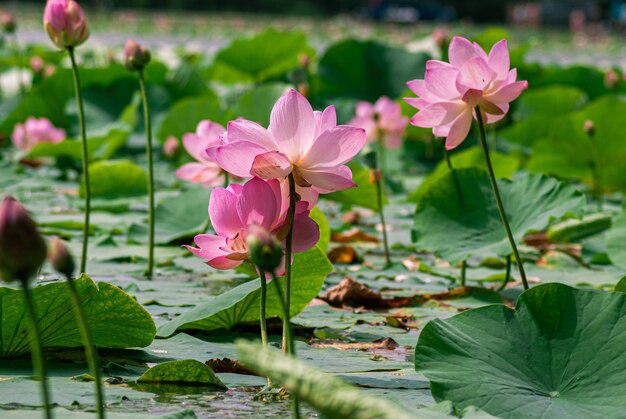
[299, 141]
[34, 131]
[65, 23]
[450, 92]
[235, 209]
[382, 119]
[205, 170]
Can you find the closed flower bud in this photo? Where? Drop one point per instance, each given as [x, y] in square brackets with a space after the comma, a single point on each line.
[266, 252]
[136, 57]
[65, 23]
[589, 127]
[22, 249]
[60, 257]
[7, 21]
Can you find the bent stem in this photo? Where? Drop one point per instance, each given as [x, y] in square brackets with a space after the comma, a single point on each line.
[291, 215]
[289, 337]
[85, 157]
[496, 192]
[90, 349]
[378, 181]
[507, 276]
[37, 348]
[262, 316]
[147, 121]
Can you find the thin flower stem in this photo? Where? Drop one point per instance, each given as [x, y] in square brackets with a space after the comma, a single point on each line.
[263, 316]
[90, 349]
[496, 192]
[291, 215]
[85, 157]
[379, 182]
[226, 179]
[596, 167]
[457, 184]
[39, 362]
[151, 219]
[507, 276]
[463, 272]
[290, 340]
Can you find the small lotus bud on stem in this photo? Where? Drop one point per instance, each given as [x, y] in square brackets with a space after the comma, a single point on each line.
[266, 251]
[60, 257]
[136, 57]
[589, 127]
[65, 23]
[22, 249]
[7, 21]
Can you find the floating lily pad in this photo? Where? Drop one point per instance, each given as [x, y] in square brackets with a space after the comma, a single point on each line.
[187, 372]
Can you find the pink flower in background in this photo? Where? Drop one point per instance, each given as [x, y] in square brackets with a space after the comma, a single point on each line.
[170, 147]
[298, 140]
[384, 119]
[34, 131]
[205, 170]
[450, 92]
[65, 23]
[234, 209]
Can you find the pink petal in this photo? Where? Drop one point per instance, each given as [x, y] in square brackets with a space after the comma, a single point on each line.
[364, 109]
[437, 114]
[324, 120]
[292, 124]
[224, 217]
[271, 165]
[210, 131]
[254, 207]
[224, 263]
[207, 174]
[196, 147]
[459, 129]
[334, 147]
[440, 82]
[244, 130]
[236, 157]
[499, 60]
[508, 93]
[490, 119]
[329, 180]
[474, 75]
[460, 51]
[306, 232]
[210, 248]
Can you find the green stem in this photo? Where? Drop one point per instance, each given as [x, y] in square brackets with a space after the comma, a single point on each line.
[263, 316]
[226, 179]
[596, 168]
[147, 121]
[378, 177]
[507, 276]
[463, 272]
[291, 214]
[90, 349]
[85, 156]
[289, 335]
[496, 192]
[37, 348]
[455, 176]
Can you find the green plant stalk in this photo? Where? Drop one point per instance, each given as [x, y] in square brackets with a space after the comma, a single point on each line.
[39, 362]
[596, 168]
[151, 219]
[507, 276]
[85, 157]
[291, 215]
[90, 349]
[496, 192]
[263, 316]
[457, 185]
[226, 179]
[289, 337]
[463, 272]
[378, 181]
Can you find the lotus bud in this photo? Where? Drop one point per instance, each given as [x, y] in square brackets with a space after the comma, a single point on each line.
[171, 146]
[37, 64]
[65, 23]
[60, 257]
[266, 252]
[7, 21]
[589, 127]
[22, 249]
[136, 57]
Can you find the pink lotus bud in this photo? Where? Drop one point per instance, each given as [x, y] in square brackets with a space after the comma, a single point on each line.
[136, 57]
[34, 131]
[37, 64]
[611, 79]
[65, 23]
[22, 249]
[60, 257]
[589, 127]
[7, 21]
[265, 250]
[441, 36]
[171, 146]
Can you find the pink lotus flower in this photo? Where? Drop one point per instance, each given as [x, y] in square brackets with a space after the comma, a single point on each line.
[450, 92]
[383, 119]
[235, 209]
[300, 141]
[65, 23]
[34, 131]
[205, 170]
